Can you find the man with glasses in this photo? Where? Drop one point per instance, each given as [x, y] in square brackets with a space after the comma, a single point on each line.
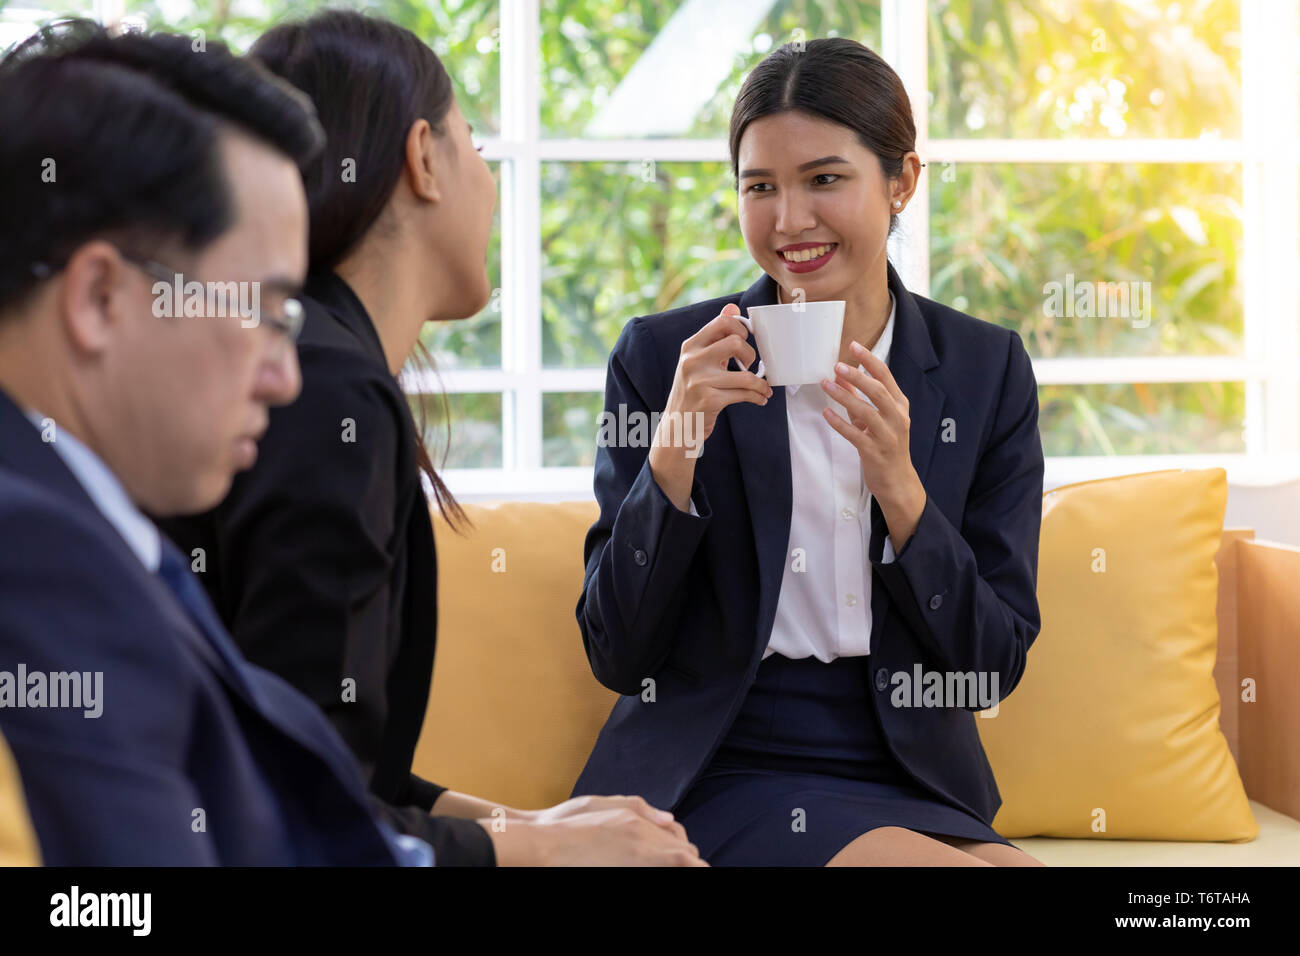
[217, 298]
[141, 734]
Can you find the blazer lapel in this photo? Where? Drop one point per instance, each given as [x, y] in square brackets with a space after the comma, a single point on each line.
[763, 449]
[340, 303]
[911, 356]
[22, 450]
[763, 442]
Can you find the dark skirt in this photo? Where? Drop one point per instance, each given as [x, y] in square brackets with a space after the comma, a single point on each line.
[805, 770]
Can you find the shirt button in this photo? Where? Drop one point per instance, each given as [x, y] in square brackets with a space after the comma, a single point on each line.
[640, 558]
[850, 599]
[847, 513]
[882, 679]
[935, 602]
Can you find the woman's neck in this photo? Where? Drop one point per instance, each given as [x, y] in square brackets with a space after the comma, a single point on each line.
[381, 279]
[866, 313]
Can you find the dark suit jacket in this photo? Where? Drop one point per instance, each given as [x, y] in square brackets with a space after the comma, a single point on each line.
[690, 601]
[321, 561]
[186, 724]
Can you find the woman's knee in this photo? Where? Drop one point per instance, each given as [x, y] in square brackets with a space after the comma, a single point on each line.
[996, 854]
[898, 846]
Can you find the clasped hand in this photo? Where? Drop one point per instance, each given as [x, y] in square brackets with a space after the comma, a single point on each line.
[879, 426]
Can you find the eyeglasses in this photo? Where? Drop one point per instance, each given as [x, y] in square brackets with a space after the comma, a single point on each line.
[288, 325]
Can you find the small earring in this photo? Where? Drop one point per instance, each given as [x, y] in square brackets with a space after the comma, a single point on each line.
[897, 204]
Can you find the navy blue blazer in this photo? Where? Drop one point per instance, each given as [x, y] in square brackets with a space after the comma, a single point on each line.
[186, 724]
[690, 601]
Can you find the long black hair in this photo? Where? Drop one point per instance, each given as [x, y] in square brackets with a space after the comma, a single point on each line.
[370, 80]
[837, 79]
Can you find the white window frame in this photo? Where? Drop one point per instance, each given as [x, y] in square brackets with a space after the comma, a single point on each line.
[1268, 153]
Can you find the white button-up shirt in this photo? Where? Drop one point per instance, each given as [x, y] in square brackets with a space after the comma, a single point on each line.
[824, 609]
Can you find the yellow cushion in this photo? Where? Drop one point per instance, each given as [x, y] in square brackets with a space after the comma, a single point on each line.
[1278, 844]
[1114, 730]
[514, 710]
[17, 838]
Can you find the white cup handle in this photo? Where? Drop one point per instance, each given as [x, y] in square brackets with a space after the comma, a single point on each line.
[762, 369]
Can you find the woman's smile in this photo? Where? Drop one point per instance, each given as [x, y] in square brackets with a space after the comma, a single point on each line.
[807, 256]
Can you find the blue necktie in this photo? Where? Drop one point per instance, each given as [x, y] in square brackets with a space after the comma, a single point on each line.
[176, 574]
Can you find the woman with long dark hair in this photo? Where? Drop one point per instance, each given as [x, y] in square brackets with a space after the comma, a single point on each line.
[321, 560]
[779, 609]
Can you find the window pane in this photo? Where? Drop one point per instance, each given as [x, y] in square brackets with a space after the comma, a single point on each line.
[474, 342]
[475, 429]
[1156, 419]
[671, 68]
[626, 239]
[1081, 68]
[570, 423]
[1093, 260]
[464, 34]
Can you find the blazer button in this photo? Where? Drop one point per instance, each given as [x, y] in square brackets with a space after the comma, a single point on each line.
[640, 558]
[935, 602]
[882, 678]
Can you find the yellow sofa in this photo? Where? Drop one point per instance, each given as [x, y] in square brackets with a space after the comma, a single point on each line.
[17, 838]
[514, 709]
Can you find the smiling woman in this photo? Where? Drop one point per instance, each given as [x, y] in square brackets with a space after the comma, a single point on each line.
[828, 215]
[754, 584]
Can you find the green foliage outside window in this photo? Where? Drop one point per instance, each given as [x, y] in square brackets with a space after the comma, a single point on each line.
[621, 239]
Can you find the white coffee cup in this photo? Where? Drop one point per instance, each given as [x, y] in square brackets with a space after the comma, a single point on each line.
[798, 343]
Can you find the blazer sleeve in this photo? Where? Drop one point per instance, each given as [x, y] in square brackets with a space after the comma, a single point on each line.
[639, 551]
[423, 793]
[306, 544]
[455, 841]
[969, 594]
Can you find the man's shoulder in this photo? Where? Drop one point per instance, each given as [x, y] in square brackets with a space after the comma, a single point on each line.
[35, 520]
[74, 598]
[64, 564]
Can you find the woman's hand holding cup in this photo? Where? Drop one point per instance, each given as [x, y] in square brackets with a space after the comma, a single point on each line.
[703, 385]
